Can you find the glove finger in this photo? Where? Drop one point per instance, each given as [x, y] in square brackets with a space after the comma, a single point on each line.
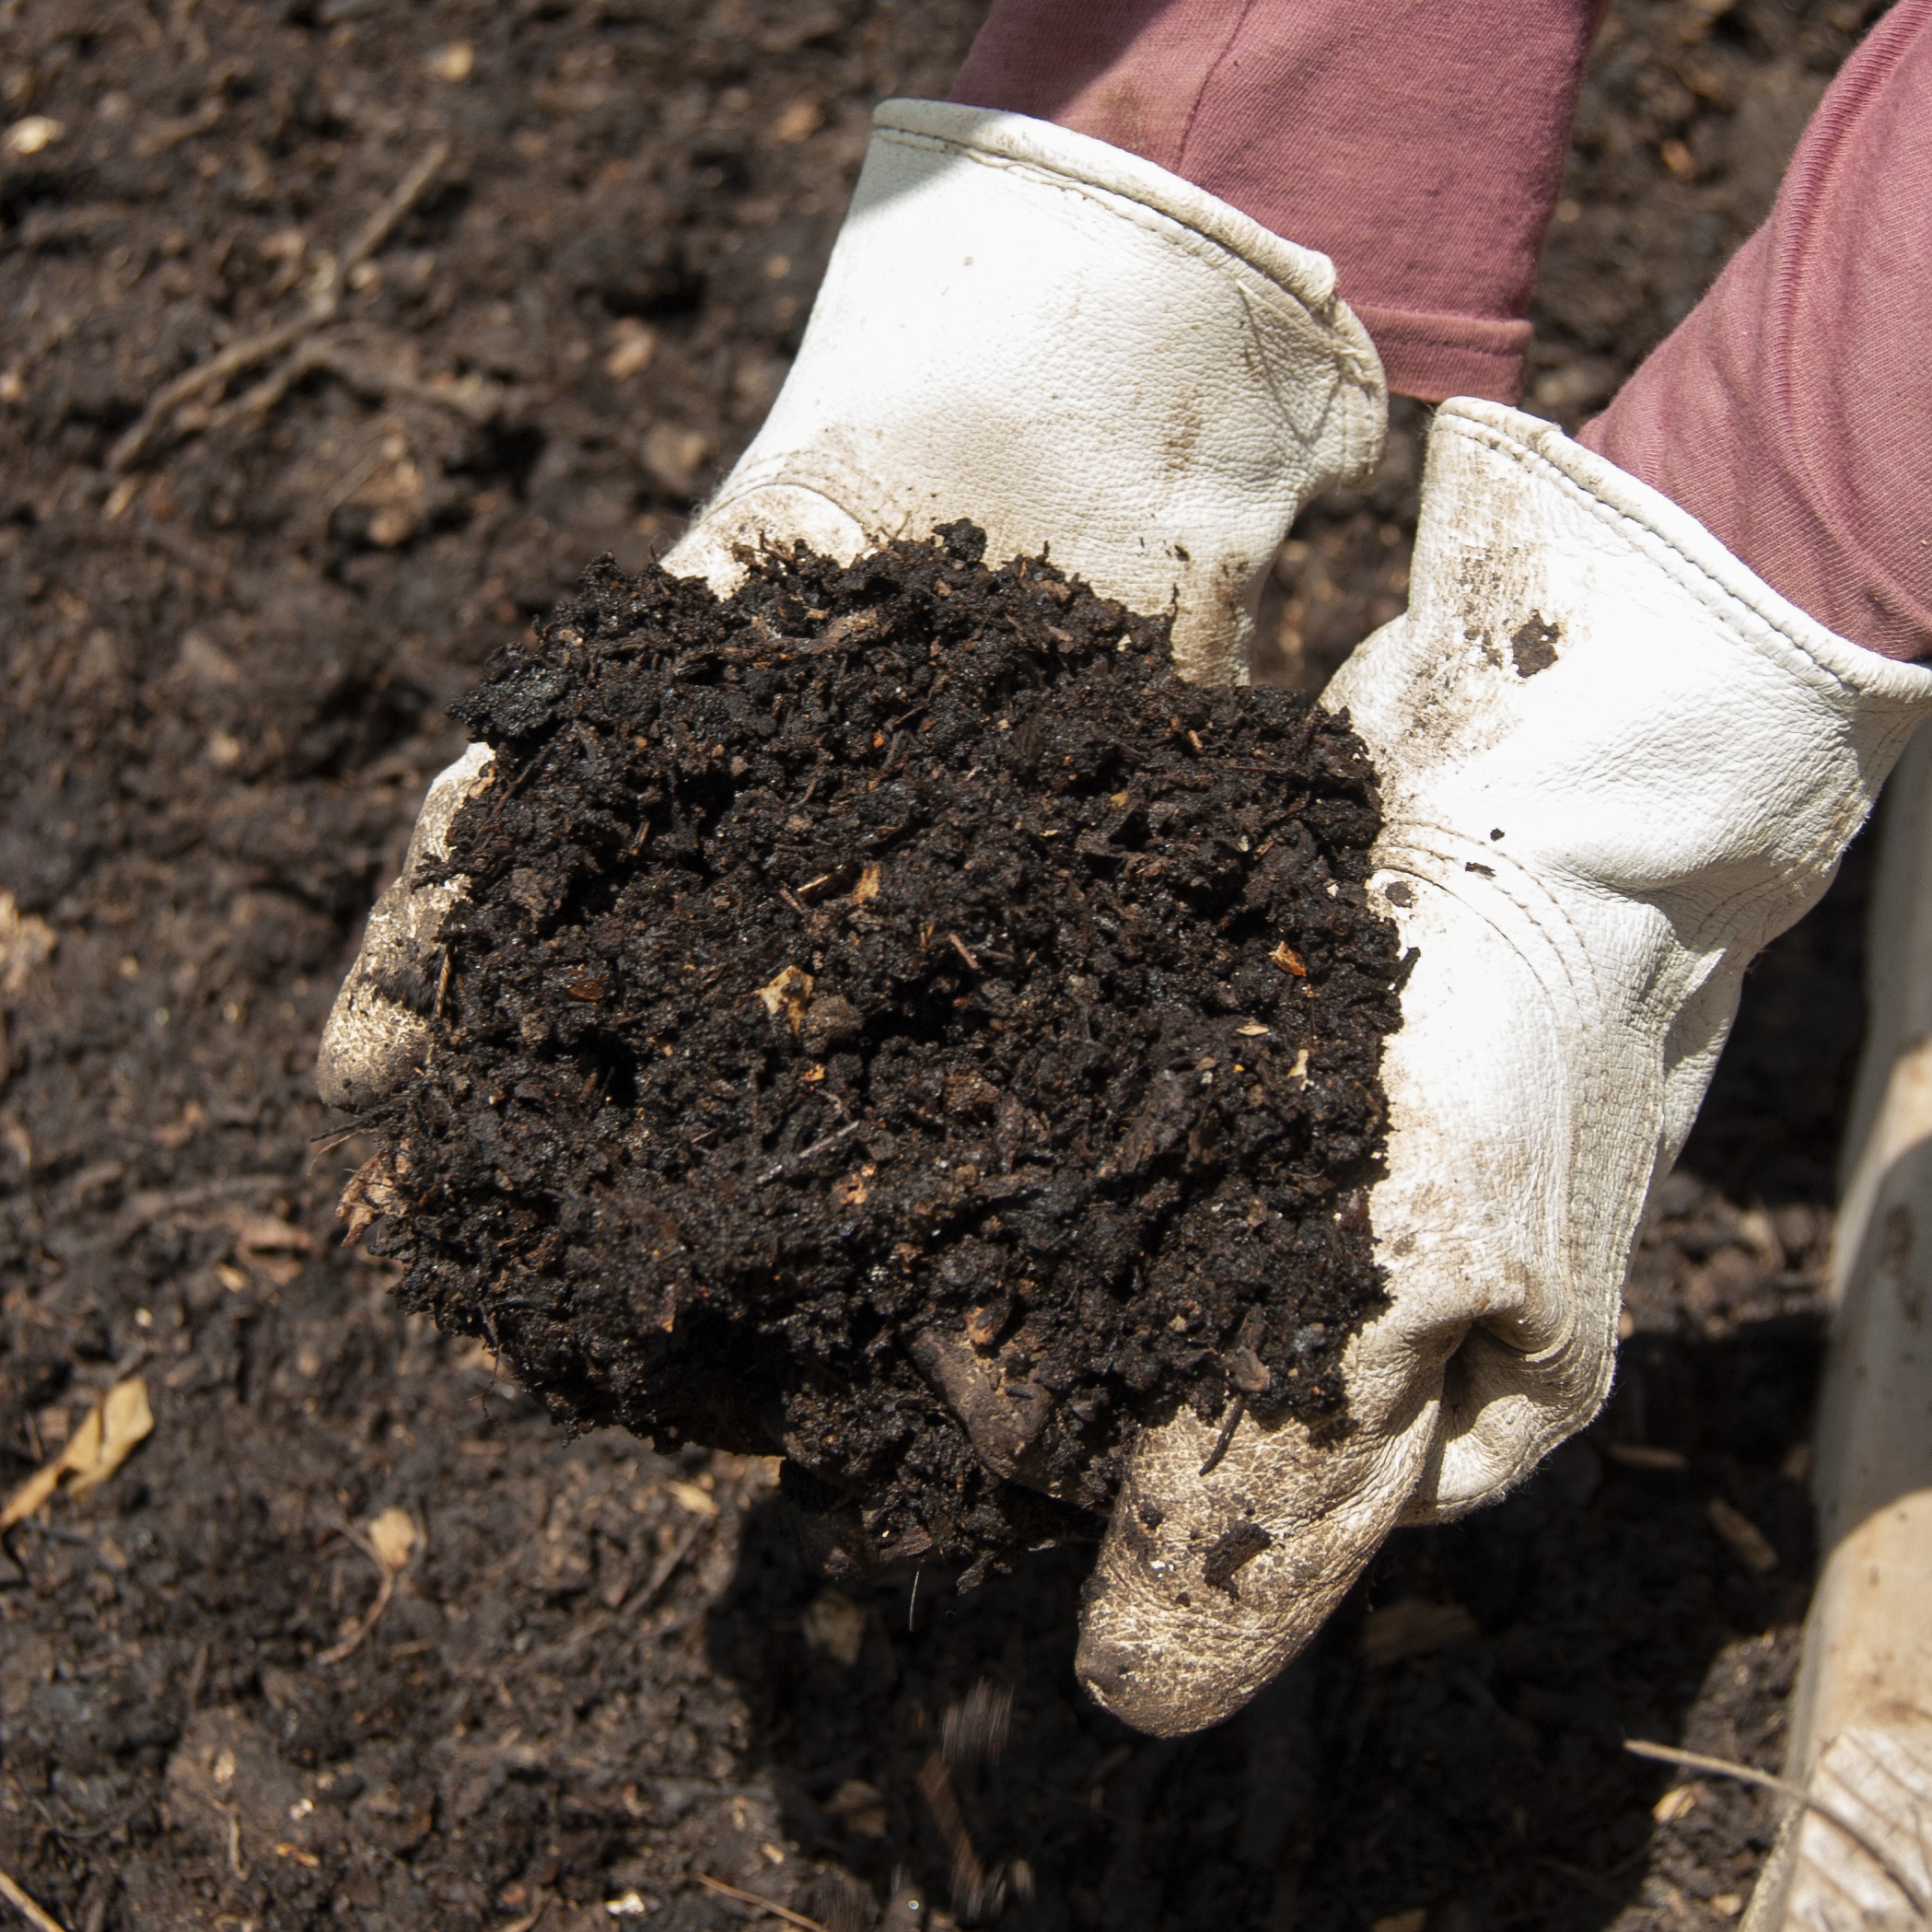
[379, 1027]
[1207, 1586]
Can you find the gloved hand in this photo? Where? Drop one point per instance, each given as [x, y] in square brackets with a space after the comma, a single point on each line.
[1026, 327]
[1615, 763]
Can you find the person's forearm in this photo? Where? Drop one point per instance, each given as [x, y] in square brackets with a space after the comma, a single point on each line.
[1791, 411]
[1419, 143]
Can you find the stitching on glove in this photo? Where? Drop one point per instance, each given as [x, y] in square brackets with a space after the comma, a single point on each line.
[1360, 444]
[794, 471]
[1419, 860]
[997, 135]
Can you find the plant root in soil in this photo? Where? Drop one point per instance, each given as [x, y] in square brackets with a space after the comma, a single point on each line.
[894, 1024]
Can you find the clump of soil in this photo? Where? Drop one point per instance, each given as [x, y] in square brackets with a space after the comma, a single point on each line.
[886, 996]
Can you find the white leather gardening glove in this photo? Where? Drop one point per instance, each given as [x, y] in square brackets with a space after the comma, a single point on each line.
[1614, 763]
[1074, 348]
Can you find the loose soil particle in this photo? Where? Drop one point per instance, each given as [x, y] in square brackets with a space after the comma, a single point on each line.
[888, 995]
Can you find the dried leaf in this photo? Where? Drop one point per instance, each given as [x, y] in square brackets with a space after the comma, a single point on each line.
[104, 1440]
[788, 995]
[1289, 960]
[867, 886]
[123, 1419]
[392, 1536]
[372, 1191]
[32, 1494]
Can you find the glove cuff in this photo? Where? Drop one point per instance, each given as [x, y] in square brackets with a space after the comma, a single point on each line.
[1685, 550]
[1083, 353]
[1087, 166]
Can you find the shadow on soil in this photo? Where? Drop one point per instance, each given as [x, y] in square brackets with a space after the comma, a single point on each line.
[1453, 1742]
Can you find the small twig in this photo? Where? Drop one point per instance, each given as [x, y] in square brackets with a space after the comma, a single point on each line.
[376, 230]
[232, 360]
[25, 1907]
[1247, 1339]
[1725, 1767]
[254, 349]
[197, 1670]
[1230, 1421]
[234, 1864]
[968, 1876]
[818, 1146]
[171, 134]
[336, 1652]
[85, 1834]
[958, 946]
[764, 1904]
[335, 1137]
[667, 1566]
[265, 394]
[474, 405]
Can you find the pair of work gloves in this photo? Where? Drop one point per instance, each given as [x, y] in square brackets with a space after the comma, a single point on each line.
[1614, 762]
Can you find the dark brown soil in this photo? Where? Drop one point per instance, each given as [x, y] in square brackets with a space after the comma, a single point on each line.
[889, 992]
[604, 1671]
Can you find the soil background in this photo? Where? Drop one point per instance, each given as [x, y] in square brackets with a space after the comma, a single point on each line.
[233, 619]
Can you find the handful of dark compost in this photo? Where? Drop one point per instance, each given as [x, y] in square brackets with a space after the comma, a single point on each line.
[894, 1025]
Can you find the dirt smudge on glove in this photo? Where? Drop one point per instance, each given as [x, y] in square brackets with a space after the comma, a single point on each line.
[1228, 1553]
[870, 1010]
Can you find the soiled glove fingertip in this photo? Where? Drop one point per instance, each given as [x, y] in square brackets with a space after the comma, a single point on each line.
[1180, 1624]
[379, 1028]
[1161, 1682]
[369, 1046]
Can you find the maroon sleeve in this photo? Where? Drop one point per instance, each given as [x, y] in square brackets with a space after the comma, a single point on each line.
[1419, 143]
[1791, 411]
